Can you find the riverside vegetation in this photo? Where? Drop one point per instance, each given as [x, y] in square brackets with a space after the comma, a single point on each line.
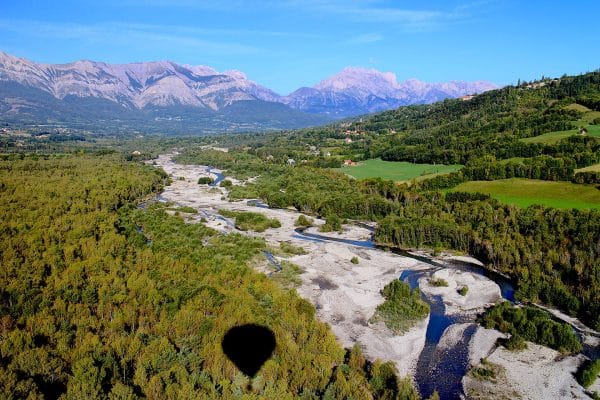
[100, 299]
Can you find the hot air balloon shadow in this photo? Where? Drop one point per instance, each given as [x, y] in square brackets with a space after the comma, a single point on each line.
[249, 347]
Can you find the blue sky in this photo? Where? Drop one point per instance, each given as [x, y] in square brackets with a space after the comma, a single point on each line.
[286, 44]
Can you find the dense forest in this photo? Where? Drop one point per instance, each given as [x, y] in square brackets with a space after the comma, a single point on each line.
[103, 299]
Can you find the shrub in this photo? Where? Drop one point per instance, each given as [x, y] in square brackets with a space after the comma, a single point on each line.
[250, 221]
[289, 248]
[205, 180]
[226, 183]
[304, 221]
[438, 282]
[332, 223]
[516, 343]
[588, 373]
[354, 260]
[463, 290]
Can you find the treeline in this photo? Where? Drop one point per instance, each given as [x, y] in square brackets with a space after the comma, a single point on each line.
[100, 299]
[566, 156]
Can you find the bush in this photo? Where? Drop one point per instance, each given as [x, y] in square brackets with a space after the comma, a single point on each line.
[332, 223]
[289, 248]
[516, 343]
[250, 221]
[205, 180]
[588, 373]
[304, 221]
[226, 183]
[438, 282]
[487, 371]
[354, 260]
[463, 290]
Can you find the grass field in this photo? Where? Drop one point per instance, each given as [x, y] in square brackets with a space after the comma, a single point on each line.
[550, 137]
[591, 168]
[525, 192]
[396, 171]
[585, 121]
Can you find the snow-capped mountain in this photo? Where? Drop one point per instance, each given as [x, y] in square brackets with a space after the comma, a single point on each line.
[142, 94]
[355, 91]
[140, 85]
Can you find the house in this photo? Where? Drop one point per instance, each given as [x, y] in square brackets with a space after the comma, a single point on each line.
[270, 157]
[328, 154]
[136, 153]
[291, 161]
[348, 140]
[467, 97]
[349, 163]
[583, 131]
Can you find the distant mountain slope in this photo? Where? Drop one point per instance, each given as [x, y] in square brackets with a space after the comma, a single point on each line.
[167, 97]
[356, 91]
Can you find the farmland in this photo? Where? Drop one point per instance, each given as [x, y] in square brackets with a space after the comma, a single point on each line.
[396, 171]
[526, 192]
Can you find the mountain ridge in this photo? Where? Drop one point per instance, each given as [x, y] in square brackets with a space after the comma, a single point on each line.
[146, 88]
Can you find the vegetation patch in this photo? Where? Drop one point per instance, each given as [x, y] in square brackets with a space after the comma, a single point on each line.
[289, 249]
[487, 371]
[251, 221]
[396, 171]
[332, 223]
[438, 282]
[463, 290]
[184, 209]
[588, 373]
[526, 192]
[402, 308]
[289, 275]
[354, 260]
[205, 180]
[304, 221]
[591, 168]
[516, 343]
[532, 324]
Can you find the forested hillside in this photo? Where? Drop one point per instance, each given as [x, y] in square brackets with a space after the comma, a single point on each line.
[100, 299]
[457, 131]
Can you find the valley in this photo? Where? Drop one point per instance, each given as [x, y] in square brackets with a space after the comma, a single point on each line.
[439, 350]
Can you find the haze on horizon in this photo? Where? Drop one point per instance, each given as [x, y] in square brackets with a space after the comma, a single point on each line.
[290, 43]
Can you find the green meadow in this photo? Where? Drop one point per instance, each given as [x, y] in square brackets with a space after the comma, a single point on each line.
[396, 171]
[585, 121]
[526, 192]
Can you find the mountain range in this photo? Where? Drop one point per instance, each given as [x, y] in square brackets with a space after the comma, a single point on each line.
[168, 97]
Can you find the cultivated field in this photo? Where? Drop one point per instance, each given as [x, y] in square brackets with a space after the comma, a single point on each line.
[397, 171]
[525, 192]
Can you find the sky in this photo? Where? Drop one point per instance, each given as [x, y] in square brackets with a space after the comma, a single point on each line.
[287, 44]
